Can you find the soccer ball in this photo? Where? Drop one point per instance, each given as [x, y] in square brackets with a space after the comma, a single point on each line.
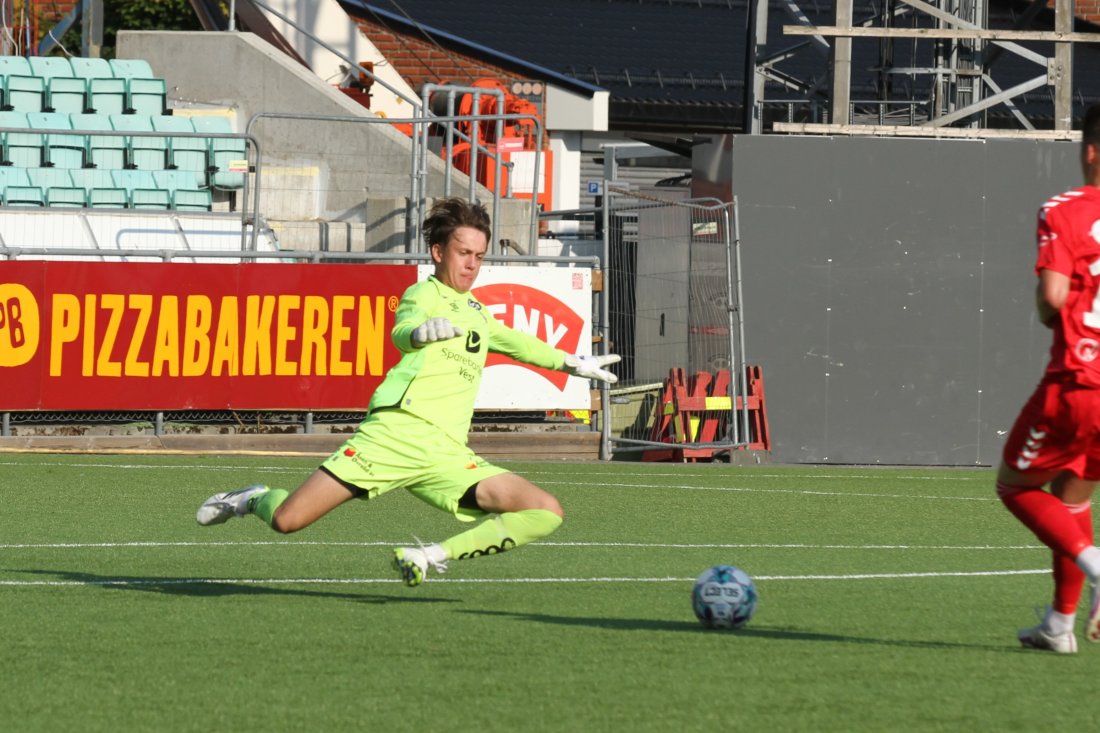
[724, 597]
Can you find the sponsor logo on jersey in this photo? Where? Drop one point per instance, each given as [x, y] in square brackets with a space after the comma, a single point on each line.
[1094, 231]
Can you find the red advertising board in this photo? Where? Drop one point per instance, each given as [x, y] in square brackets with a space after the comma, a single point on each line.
[144, 336]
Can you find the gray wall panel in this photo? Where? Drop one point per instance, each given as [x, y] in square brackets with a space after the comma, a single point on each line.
[889, 290]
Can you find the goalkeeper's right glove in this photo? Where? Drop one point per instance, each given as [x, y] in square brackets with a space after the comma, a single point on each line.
[591, 367]
[434, 329]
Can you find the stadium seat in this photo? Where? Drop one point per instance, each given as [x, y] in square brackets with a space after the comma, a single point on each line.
[225, 153]
[144, 152]
[58, 187]
[146, 94]
[103, 151]
[141, 188]
[106, 93]
[99, 186]
[182, 192]
[185, 153]
[23, 91]
[63, 151]
[17, 188]
[64, 91]
[21, 149]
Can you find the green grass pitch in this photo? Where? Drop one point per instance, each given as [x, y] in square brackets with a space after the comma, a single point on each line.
[889, 600]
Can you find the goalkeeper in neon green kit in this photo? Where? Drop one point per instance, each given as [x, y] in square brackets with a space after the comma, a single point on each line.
[415, 433]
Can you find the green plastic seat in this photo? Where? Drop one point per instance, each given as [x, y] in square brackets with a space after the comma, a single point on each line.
[64, 91]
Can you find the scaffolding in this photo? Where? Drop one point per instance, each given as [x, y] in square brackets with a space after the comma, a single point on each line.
[945, 43]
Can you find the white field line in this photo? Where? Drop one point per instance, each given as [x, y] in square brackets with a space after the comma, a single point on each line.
[544, 544]
[126, 582]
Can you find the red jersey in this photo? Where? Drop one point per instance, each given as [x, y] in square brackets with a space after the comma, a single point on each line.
[1069, 243]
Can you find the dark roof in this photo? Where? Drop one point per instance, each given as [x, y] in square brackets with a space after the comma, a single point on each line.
[680, 64]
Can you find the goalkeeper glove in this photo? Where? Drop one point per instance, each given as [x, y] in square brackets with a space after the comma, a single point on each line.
[591, 367]
[434, 329]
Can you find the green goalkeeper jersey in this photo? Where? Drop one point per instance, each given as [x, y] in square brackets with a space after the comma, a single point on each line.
[439, 382]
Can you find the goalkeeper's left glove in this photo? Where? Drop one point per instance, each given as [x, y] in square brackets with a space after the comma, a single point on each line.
[591, 367]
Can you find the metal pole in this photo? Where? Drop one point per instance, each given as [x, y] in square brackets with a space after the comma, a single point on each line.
[449, 142]
[232, 15]
[605, 317]
[412, 211]
[475, 133]
[535, 190]
[735, 262]
[496, 178]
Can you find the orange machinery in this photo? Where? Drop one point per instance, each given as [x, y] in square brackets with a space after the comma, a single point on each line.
[518, 143]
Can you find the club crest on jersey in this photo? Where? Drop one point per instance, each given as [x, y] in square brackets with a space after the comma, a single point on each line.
[1087, 350]
[473, 342]
[473, 304]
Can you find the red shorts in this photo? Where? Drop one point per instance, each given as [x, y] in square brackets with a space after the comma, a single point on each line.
[1057, 430]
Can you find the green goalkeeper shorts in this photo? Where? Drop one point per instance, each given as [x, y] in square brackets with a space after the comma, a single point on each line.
[392, 449]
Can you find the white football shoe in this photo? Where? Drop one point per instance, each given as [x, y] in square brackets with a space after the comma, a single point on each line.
[412, 564]
[221, 507]
[1037, 637]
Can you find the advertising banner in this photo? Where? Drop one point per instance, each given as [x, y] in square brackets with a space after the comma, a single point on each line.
[161, 336]
[80, 336]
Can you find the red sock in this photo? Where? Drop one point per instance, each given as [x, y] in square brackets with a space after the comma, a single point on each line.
[1069, 580]
[1046, 516]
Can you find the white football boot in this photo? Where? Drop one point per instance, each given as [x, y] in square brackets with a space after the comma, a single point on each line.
[1037, 637]
[221, 507]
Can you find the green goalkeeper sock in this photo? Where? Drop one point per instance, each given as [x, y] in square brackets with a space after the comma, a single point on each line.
[264, 505]
[502, 532]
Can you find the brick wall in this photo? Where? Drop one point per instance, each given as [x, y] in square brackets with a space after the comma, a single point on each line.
[1085, 10]
[421, 62]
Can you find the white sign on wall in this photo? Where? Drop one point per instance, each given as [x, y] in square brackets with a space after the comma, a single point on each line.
[551, 303]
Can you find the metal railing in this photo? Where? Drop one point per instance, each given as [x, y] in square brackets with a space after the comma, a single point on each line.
[419, 161]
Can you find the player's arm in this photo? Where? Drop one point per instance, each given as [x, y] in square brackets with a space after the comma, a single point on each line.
[1051, 295]
[530, 350]
[414, 326]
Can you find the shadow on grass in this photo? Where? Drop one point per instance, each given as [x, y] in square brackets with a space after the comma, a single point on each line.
[213, 587]
[749, 632]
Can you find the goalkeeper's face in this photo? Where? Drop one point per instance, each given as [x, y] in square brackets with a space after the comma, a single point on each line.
[458, 262]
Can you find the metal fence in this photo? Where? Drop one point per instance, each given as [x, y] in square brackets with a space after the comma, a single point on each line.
[674, 312]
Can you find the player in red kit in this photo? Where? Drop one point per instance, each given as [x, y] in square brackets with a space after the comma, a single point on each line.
[1055, 440]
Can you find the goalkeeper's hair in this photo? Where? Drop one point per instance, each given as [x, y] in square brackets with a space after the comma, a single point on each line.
[449, 214]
